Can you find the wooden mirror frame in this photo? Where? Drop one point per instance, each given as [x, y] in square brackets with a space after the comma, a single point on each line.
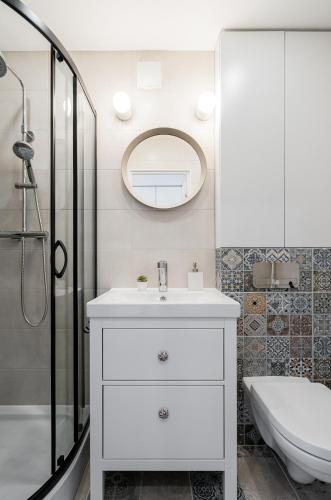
[163, 131]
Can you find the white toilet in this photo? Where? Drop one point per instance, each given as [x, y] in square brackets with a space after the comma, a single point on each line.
[293, 416]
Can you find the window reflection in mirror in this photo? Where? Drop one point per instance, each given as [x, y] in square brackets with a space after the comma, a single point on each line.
[164, 171]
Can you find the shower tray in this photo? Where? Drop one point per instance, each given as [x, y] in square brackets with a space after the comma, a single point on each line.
[18, 235]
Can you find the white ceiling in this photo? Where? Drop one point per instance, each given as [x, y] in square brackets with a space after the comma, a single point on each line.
[170, 24]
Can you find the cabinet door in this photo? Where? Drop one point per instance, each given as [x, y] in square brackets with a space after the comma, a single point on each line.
[308, 139]
[191, 354]
[191, 429]
[252, 140]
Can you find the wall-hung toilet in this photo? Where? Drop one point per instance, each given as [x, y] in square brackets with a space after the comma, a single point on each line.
[293, 416]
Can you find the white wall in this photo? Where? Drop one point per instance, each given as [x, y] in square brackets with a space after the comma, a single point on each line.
[132, 238]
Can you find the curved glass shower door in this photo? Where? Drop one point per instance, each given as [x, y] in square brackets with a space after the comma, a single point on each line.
[63, 241]
[25, 371]
[86, 237]
[47, 199]
[74, 253]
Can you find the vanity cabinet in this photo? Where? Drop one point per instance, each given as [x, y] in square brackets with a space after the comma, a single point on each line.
[163, 392]
[275, 128]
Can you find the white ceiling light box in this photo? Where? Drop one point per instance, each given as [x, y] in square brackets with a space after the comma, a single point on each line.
[149, 75]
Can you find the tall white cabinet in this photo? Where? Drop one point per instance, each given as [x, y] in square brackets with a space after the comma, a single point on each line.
[252, 139]
[275, 148]
[307, 139]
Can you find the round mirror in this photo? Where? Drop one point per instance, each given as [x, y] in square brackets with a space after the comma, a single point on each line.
[164, 168]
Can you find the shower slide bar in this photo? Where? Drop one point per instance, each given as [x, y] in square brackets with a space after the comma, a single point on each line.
[18, 235]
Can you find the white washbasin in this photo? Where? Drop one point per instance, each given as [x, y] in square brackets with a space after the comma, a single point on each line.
[180, 302]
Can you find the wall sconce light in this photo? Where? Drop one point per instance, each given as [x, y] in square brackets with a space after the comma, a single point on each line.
[205, 106]
[122, 106]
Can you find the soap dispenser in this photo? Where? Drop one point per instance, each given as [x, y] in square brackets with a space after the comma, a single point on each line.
[195, 279]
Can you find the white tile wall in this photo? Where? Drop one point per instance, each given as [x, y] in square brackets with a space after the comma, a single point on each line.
[24, 352]
[132, 238]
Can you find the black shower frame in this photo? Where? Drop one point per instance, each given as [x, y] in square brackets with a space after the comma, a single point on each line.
[59, 52]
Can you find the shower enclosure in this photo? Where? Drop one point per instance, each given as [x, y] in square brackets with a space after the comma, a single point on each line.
[47, 255]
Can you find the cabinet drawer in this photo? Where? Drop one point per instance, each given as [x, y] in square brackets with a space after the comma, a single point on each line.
[133, 429]
[162, 354]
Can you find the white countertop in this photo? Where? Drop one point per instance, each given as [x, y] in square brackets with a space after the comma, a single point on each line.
[180, 302]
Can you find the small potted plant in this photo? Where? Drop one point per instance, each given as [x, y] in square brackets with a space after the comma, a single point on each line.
[142, 282]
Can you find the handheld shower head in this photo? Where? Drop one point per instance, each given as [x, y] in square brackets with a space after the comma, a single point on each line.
[3, 66]
[23, 150]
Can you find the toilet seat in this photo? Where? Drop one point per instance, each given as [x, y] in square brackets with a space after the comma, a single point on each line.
[300, 412]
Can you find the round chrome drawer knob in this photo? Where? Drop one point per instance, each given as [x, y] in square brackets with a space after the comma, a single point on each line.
[164, 413]
[163, 356]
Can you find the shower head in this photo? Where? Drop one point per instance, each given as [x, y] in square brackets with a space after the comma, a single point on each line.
[3, 66]
[23, 150]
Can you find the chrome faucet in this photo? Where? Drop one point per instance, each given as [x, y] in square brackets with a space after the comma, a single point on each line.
[162, 266]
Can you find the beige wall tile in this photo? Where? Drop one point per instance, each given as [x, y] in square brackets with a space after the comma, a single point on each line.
[133, 237]
[24, 349]
[178, 229]
[10, 308]
[10, 265]
[32, 67]
[111, 192]
[114, 229]
[115, 268]
[120, 268]
[25, 387]
[179, 264]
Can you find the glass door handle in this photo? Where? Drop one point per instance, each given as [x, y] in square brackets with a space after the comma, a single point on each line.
[59, 243]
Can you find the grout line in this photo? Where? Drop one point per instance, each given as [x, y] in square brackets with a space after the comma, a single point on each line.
[281, 466]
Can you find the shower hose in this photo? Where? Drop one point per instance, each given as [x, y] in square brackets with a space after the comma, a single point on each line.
[26, 317]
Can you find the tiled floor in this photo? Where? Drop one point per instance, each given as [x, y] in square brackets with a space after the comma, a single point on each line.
[165, 486]
[261, 476]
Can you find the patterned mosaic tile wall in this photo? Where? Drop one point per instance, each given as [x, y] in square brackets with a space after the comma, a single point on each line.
[280, 332]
